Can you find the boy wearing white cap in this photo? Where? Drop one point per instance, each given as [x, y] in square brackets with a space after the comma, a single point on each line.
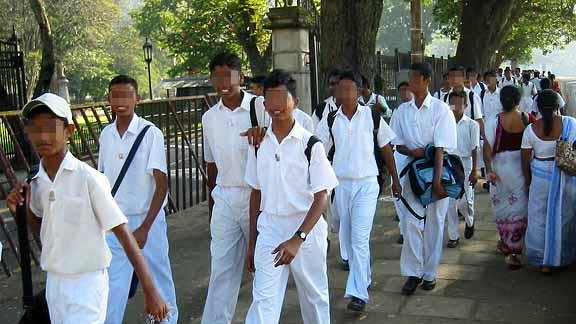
[71, 204]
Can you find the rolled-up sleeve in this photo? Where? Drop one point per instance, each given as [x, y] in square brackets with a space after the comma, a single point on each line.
[103, 204]
[445, 130]
[385, 134]
[251, 176]
[396, 126]
[322, 176]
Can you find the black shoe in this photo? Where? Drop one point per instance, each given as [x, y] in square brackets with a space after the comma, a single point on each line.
[328, 248]
[344, 265]
[428, 285]
[400, 240]
[411, 285]
[469, 232]
[453, 243]
[357, 305]
[486, 186]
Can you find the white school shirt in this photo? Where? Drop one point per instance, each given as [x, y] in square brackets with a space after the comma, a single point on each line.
[223, 144]
[477, 104]
[77, 209]
[440, 94]
[468, 139]
[304, 119]
[478, 88]
[528, 90]
[372, 101]
[354, 155]
[433, 123]
[535, 104]
[136, 191]
[505, 82]
[282, 174]
[330, 106]
[492, 104]
[536, 82]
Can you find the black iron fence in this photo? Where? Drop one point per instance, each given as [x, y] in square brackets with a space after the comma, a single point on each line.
[178, 118]
[12, 75]
[390, 68]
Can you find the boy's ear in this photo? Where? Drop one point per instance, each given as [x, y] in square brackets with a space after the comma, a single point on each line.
[138, 98]
[70, 130]
[296, 101]
[240, 78]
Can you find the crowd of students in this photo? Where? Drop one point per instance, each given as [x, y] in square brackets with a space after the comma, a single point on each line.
[280, 179]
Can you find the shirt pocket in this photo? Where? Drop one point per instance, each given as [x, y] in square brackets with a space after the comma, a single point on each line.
[72, 209]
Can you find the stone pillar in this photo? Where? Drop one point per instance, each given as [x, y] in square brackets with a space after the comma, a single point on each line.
[62, 83]
[291, 50]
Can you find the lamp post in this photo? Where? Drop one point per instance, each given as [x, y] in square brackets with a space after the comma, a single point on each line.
[148, 58]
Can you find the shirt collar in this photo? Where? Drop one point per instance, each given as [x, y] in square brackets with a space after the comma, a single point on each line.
[245, 104]
[69, 163]
[426, 104]
[464, 118]
[296, 132]
[358, 109]
[133, 127]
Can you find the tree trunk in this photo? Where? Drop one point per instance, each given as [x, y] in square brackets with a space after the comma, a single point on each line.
[260, 63]
[348, 37]
[481, 37]
[48, 58]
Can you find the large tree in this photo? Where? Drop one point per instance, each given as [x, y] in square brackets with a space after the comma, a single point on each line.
[193, 31]
[348, 35]
[48, 58]
[491, 31]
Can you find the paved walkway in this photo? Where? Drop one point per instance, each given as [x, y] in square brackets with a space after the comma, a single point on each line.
[474, 284]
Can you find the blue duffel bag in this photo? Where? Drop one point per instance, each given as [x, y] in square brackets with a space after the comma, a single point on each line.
[421, 176]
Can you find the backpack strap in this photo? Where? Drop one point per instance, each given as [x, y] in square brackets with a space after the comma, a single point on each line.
[129, 159]
[376, 121]
[253, 117]
[308, 151]
[330, 119]
[446, 97]
[319, 111]
[471, 98]
[482, 94]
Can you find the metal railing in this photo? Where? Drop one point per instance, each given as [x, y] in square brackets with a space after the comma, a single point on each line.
[178, 118]
[12, 74]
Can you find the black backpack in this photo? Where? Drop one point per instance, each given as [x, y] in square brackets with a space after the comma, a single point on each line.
[253, 117]
[319, 110]
[375, 119]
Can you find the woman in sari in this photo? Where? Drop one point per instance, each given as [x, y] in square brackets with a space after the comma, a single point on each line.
[503, 159]
[551, 234]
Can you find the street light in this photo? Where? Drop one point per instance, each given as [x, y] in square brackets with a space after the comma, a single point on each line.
[148, 58]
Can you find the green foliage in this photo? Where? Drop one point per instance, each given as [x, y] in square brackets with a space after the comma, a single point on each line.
[542, 24]
[193, 31]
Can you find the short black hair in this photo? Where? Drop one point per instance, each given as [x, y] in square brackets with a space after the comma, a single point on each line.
[43, 109]
[352, 76]
[123, 79]
[402, 84]
[226, 58]
[424, 68]
[545, 84]
[259, 79]
[457, 94]
[489, 74]
[445, 76]
[458, 69]
[334, 73]
[280, 77]
[510, 97]
[470, 69]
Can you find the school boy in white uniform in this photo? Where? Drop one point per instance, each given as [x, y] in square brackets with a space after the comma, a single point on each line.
[491, 101]
[329, 104]
[290, 179]
[225, 153]
[141, 197]
[70, 204]
[422, 121]
[352, 139]
[468, 140]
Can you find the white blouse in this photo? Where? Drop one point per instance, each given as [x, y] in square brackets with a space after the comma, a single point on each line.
[542, 149]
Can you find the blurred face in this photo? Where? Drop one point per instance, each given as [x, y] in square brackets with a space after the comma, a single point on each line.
[456, 78]
[280, 103]
[123, 99]
[348, 92]
[226, 81]
[446, 84]
[472, 78]
[492, 81]
[404, 93]
[48, 134]
[467, 84]
[257, 89]
[332, 85]
[507, 73]
[418, 84]
[457, 104]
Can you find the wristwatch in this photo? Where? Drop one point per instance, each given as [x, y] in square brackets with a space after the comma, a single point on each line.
[301, 235]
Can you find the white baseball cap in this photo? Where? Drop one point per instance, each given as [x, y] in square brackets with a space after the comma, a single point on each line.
[58, 105]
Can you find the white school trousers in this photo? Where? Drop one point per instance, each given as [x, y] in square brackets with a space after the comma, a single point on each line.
[120, 271]
[356, 205]
[230, 230]
[422, 248]
[465, 205]
[308, 269]
[79, 298]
